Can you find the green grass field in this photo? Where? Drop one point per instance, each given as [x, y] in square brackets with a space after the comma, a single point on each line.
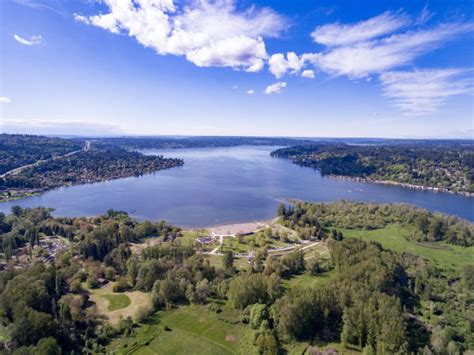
[192, 330]
[118, 301]
[189, 236]
[392, 237]
[307, 280]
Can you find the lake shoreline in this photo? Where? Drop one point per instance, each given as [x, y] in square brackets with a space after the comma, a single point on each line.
[227, 186]
[399, 184]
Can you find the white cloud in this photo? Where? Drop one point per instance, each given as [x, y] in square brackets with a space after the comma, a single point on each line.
[5, 100]
[107, 22]
[32, 41]
[207, 33]
[368, 47]
[377, 56]
[279, 65]
[308, 74]
[336, 34]
[425, 16]
[250, 92]
[276, 88]
[236, 52]
[422, 92]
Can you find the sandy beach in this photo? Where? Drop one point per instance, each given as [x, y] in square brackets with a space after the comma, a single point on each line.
[238, 228]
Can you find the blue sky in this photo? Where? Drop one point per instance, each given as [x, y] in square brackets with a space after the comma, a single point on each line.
[274, 68]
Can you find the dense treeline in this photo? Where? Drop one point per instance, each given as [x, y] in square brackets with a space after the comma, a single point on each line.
[44, 306]
[433, 306]
[197, 142]
[311, 219]
[378, 301]
[95, 237]
[17, 150]
[445, 166]
[84, 167]
[363, 306]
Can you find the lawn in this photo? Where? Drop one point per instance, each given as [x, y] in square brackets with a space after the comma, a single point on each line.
[189, 236]
[392, 237]
[307, 280]
[117, 301]
[190, 330]
[115, 306]
[218, 262]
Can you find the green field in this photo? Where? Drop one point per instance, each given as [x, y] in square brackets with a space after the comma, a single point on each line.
[307, 280]
[444, 255]
[117, 301]
[191, 330]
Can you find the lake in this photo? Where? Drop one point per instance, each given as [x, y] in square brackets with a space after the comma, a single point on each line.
[227, 185]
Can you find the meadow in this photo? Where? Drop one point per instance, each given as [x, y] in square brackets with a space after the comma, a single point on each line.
[117, 306]
[189, 329]
[445, 256]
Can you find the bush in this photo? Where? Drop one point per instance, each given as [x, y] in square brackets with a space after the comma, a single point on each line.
[121, 286]
[75, 286]
[92, 282]
[214, 307]
[143, 313]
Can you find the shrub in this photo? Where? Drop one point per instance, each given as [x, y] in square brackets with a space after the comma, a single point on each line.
[143, 313]
[121, 286]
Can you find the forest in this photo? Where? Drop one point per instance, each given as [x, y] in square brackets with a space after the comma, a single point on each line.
[93, 165]
[17, 150]
[444, 166]
[197, 142]
[377, 301]
[314, 218]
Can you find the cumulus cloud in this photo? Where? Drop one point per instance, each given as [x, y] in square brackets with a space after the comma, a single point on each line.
[280, 65]
[422, 92]
[250, 92]
[276, 88]
[207, 33]
[5, 100]
[32, 41]
[337, 34]
[308, 74]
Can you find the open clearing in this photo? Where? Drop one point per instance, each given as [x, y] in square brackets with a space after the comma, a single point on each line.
[117, 301]
[115, 306]
[192, 330]
[393, 237]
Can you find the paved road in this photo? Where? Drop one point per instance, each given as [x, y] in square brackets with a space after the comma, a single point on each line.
[19, 169]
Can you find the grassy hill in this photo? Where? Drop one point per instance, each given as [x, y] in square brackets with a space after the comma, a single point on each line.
[189, 330]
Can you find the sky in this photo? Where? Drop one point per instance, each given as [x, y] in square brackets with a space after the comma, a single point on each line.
[308, 68]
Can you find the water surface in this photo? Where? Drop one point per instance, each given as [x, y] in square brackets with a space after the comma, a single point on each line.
[227, 185]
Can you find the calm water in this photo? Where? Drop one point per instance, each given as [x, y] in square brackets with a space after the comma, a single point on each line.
[225, 185]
